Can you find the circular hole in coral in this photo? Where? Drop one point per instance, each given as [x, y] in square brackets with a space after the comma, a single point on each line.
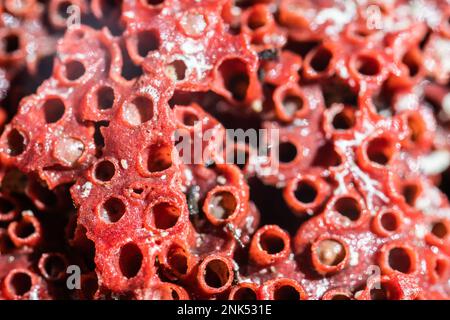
[441, 267]
[54, 266]
[410, 192]
[389, 221]
[130, 260]
[235, 77]
[368, 65]
[63, 9]
[11, 43]
[177, 260]
[330, 252]
[105, 170]
[244, 293]
[327, 156]
[222, 205]
[292, 103]
[53, 110]
[305, 192]
[159, 157]
[400, 260]
[165, 215]
[174, 294]
[411, 63]
[74, 70]
[271, 242]
[380, 150]
[16, 142]
[439, 229]
[286, 292]
[348, 207]
[147, 41]
[288, 152]
[112, 210]
[321, 59]
[176, 70]
[216, 273]
[105, 98]
[24, 229]
[138, 111]
[344, 120]
[138, 191]
[20, 283]
[189, 118]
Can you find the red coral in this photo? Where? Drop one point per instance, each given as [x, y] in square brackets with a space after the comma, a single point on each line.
[350, 203]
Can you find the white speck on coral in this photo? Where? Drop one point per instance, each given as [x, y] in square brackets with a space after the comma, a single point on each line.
[86, 189]
[124, 164]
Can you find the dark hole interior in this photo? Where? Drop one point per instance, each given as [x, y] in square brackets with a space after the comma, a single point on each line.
[147, 41]
[139, 111]
[20, 283]
[286, 292]
[63, 9]
[389, 221]
[130, 260]
[380, 150]
[344, 120]
[54, 266]
[24, 229]
[74, 70]
[288, 152]
[245, 293]
[321, 59]
[216, 273]
[16, 142]
[306, 192]
[53, 110]
[165, 215]
[105, 98]
[159, 158]
[222, 205]
[105, 170]
[11, 43]
[348, 207]
[178, 260]
[271, 242]
[439, 229]
[113, 209]
[410, 193]
[368, 65]
[400, 260]
[177, 70]
[235, 77]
